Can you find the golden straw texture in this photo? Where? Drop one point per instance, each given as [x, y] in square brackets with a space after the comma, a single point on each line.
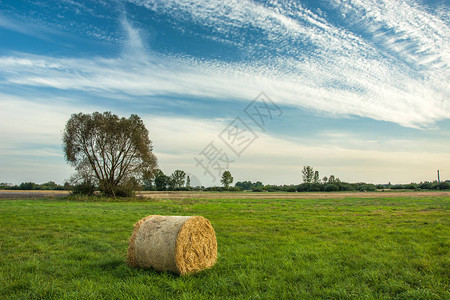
[182, 245]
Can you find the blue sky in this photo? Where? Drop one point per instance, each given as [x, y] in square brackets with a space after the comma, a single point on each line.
[362, 86]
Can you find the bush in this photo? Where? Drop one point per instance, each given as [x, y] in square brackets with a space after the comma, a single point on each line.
[28, 186]
[291, 189]
[123, 191]
[310, 187]
[398, 187]
[214, 189]
[426, 186]
[85, 188]
[411, 186]
[303, 187]
[331, 188]
[442, 186]
[346, 187]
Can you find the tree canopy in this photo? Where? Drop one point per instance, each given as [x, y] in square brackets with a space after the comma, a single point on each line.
[177, 179]
[112, 152]
[308, 174]
[227, 179]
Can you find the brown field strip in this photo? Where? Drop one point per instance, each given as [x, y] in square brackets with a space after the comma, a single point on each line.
[174, 195]
[274, 195]
[8, 194]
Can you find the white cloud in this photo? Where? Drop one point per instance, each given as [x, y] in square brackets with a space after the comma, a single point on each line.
[35, 30]
[279, 161]
[302, 60]
[35, 120]
[406, 28]
[31, 139]
[345, 75]
[416, 104]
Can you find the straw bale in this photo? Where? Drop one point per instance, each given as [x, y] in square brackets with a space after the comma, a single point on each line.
[180, 244]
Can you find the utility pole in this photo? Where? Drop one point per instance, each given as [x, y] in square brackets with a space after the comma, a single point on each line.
[439, 180]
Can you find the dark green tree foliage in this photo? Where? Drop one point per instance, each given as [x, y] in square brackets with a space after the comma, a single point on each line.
[307, 174]
[226, 179]
[109, 151]
[188, 182]
[248, 185]
[331, 187]
[331, 179]
[28, 186]
[316, 177]
[161, 180]
[177, 179]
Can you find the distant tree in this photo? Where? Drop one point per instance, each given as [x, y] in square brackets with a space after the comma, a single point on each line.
[115, 151]
[331, 187]
[316, 178]
[67, 186]
[161, 180]
[325, 180]
[248, 185]
[177, 179]
[227, 179]
[331, 179]
[51, 185]
[148, 184]
[442, 186]
[188, 182]
[28, 186]
[307, 174]
[426, 185]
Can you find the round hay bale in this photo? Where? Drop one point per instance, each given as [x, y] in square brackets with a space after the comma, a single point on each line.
[182, 245]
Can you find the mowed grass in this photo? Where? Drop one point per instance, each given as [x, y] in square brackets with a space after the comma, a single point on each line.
[290, 249]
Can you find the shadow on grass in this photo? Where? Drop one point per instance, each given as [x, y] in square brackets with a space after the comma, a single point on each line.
[119, 268]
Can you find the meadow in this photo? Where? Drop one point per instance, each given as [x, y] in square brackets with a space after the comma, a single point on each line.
[383, 247]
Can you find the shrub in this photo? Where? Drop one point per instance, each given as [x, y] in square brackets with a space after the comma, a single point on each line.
[411, 186]
[442, 186]
[347, 187]
[85, 188]
[426, 186]
[331, 188]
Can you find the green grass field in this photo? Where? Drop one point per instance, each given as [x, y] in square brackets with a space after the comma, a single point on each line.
[291, 249]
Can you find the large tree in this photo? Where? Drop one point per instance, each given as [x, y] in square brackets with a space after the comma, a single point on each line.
[227, 179]
[113, 151]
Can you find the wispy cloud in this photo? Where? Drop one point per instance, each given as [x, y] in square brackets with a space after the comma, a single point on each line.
[35, 30]
[301, 59]
[407, 29]
[31, 132]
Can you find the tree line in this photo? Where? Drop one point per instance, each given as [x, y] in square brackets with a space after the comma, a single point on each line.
[30, 186]
[114, 156]
[244, 186]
